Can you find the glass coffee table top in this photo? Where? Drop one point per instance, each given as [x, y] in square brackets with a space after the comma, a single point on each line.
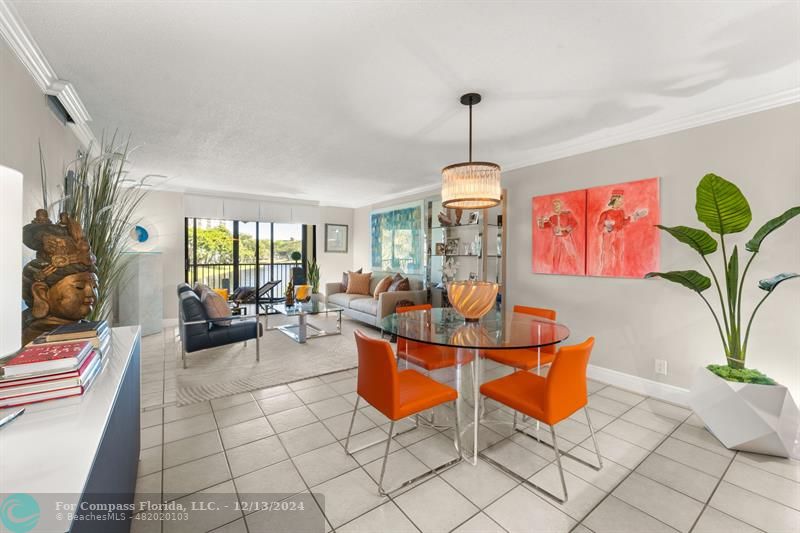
[308, 308]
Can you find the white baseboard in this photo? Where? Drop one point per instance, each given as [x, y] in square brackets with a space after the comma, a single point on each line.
[647, 387]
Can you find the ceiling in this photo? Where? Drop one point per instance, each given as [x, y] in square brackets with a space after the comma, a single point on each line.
[348, 103]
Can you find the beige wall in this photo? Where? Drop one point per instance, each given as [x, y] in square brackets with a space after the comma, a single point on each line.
[331, 265]
[164, 210]
[638, 321]
[25, 119]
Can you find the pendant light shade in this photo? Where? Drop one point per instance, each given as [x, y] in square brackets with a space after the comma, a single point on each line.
[474, 184]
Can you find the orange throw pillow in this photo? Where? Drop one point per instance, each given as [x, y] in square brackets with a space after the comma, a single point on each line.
[358, 283]
[382, 286]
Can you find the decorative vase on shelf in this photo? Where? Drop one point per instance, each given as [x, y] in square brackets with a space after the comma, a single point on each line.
[472, 299]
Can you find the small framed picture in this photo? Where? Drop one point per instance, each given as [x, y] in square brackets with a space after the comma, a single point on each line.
[452, 247]
[440, 248]
[474, 217]
[336, 238]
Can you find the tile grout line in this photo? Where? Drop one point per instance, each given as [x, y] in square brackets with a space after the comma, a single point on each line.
[719, 482]
[632, 470]
[230, 471]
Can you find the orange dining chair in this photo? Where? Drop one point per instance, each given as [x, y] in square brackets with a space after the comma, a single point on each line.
[429, 357]
[397, 394]
[549, 399]
[426, 356]
[527, 358]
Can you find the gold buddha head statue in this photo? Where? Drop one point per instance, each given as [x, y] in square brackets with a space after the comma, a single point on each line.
[59, 286]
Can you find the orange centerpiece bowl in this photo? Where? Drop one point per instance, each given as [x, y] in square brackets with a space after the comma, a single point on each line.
[472, 299]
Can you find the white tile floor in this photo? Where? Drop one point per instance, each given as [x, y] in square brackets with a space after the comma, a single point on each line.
[662, 470]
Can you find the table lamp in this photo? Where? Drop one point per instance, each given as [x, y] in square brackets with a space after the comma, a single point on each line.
[10, 261]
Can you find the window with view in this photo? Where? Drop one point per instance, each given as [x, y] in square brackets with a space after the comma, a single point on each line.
[228, 254]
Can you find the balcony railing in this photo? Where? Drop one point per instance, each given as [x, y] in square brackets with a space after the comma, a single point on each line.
[220, 275]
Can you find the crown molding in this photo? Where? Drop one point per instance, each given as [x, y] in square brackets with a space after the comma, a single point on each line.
[623, 135]
[24, 46]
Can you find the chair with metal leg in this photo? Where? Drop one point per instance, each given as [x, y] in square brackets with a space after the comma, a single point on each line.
[426, 356]
[397, 394]
[549, 399]
[526, 359]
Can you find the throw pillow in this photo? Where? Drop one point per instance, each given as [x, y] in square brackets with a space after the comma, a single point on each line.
[344, 279]
[200, 289]
[382, 286]
[216, 307]
[399, 283]
[358, 283]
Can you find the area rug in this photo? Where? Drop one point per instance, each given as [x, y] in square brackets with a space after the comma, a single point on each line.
[233, 369]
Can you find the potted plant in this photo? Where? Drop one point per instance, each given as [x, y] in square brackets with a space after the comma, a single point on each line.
[744, 408]
[313, 275]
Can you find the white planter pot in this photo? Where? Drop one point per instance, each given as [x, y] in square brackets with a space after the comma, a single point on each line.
[744, 416]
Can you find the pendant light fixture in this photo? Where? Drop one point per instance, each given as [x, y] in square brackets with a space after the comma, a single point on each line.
[474, 184]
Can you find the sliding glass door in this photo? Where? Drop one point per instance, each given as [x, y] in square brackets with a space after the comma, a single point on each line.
[233, 253]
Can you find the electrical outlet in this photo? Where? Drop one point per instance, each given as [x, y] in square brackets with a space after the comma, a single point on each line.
[661, 367]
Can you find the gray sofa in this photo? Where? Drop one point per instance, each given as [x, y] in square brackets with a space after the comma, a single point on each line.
[366, 308]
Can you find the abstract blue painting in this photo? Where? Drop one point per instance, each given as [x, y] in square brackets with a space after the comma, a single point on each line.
[397, 239]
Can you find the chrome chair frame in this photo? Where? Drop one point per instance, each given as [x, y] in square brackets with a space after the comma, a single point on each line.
[182, 323]
[558, 454]
[388, 440]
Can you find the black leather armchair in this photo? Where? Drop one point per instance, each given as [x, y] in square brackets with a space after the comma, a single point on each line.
[199, 332]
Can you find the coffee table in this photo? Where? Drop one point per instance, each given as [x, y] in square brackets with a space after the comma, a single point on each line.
[300, 331]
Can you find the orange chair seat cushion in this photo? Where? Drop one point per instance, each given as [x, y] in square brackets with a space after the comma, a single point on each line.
[522, 359]
[418, 393]
[430, 357]
[523, 392]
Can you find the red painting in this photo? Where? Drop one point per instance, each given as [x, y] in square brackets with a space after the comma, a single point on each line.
[621, 238]
[559, 233]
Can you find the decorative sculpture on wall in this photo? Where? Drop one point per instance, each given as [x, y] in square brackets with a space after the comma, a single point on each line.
[59, 286]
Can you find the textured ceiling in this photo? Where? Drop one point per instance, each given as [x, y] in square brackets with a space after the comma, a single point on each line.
[350, 102]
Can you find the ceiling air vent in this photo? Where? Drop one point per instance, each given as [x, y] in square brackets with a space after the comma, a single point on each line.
[59, 110]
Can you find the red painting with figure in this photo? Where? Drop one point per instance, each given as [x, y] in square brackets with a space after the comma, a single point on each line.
[559, 233]
[621, 238]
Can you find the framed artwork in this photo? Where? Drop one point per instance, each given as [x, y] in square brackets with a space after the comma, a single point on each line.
[474, 217]
[336, 238]
[396, 239]
[621, 239]
[602, 231]
[452, 247]
[559, 233]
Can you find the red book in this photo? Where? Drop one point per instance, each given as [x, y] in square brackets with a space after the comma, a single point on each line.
[14, 387]
[86, 380]
[51, 358]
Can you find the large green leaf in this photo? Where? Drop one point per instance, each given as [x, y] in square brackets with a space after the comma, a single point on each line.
[721, 206]
[754, 244]
[732, 275]
[769, 284]
[690, 279]
[698, 239]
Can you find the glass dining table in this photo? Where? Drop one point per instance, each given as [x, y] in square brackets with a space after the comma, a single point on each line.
[465, 342]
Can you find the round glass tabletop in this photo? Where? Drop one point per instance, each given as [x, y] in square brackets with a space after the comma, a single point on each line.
[445, 327]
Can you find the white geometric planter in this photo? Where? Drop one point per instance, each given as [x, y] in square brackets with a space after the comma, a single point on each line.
[744, 416]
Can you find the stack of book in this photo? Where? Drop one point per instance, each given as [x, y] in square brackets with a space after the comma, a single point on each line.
[97, 332]
[59, 364]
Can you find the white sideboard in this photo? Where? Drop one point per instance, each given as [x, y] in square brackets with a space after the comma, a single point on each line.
[80, 449]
